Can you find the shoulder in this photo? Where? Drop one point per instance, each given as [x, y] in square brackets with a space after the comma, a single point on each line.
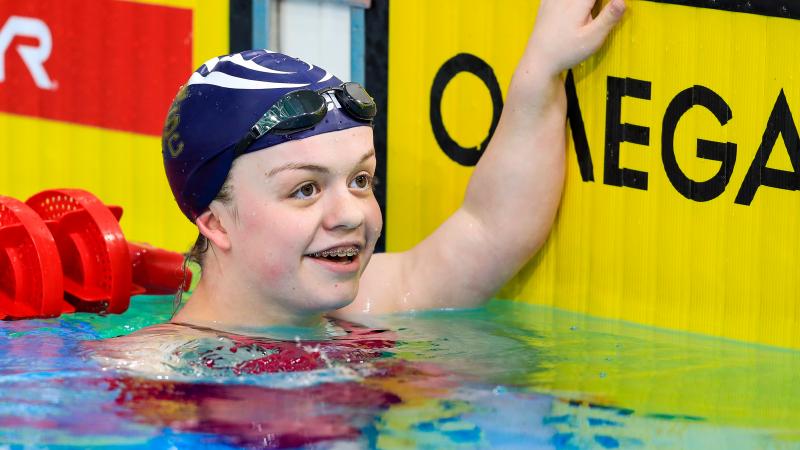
[153, 350]
[380, 287]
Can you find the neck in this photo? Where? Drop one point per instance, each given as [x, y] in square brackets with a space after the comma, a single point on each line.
[230, 308]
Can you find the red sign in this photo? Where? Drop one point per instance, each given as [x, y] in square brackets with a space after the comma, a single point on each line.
[106, 63]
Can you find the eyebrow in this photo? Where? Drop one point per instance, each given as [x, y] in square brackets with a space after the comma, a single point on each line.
[313, 167]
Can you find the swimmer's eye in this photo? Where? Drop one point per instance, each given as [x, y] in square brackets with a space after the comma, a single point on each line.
[362, 181]
[305, 191]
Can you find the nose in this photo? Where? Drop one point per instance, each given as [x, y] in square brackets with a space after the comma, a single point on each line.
[344, 211]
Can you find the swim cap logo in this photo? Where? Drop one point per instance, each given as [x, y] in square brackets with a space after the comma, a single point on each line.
[172, 138]
[33, 56]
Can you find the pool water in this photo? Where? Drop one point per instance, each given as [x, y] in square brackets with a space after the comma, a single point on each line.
[507, 376]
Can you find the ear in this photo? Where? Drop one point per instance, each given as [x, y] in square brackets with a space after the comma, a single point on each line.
[210, 225]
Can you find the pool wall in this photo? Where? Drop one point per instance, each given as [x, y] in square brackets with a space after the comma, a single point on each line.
[680, 207]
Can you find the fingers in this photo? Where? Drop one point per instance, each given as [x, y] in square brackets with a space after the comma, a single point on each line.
[608, 17]
[566, 34]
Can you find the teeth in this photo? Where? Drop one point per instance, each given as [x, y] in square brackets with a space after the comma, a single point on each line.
[340, 252]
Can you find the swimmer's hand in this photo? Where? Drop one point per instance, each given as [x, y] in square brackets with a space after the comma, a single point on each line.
[565, 32]
[513, 194]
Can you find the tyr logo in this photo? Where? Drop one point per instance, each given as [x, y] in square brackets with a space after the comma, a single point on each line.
[33, 56]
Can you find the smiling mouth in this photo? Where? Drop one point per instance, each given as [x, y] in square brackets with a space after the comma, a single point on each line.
[342, 255]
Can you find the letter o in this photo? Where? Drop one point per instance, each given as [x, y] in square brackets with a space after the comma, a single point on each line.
[463, 62]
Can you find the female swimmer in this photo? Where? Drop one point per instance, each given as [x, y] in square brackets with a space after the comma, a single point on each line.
[272, 158]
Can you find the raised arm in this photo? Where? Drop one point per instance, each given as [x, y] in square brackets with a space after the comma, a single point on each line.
[514, 193]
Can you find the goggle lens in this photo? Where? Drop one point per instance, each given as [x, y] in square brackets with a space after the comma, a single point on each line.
[357, 101]
[302, 109]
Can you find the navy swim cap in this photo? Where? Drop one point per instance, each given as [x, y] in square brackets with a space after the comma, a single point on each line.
[217, 107]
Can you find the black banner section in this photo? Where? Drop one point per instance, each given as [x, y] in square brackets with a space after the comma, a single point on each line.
[376, 81]
[789, 9]
[240, 32]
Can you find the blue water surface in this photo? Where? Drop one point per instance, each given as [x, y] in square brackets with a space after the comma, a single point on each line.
[508, 376]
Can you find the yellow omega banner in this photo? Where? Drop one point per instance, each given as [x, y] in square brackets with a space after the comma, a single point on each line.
[680, 208]
[84, 89]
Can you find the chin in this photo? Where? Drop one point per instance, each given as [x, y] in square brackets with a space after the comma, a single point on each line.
[340, 304]
[331, 301]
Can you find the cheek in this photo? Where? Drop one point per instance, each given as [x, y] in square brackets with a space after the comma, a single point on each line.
[374, 219]
[273, 243]
[270, 265]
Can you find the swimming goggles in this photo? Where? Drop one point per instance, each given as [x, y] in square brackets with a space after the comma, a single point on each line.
[302, 109]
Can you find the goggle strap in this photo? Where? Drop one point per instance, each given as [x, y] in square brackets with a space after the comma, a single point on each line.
[241, 147]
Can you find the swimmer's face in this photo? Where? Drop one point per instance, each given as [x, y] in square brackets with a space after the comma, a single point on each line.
[300, 205]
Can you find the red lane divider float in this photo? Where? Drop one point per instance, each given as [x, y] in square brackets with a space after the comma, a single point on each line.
[63, 250]
[30, 269]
